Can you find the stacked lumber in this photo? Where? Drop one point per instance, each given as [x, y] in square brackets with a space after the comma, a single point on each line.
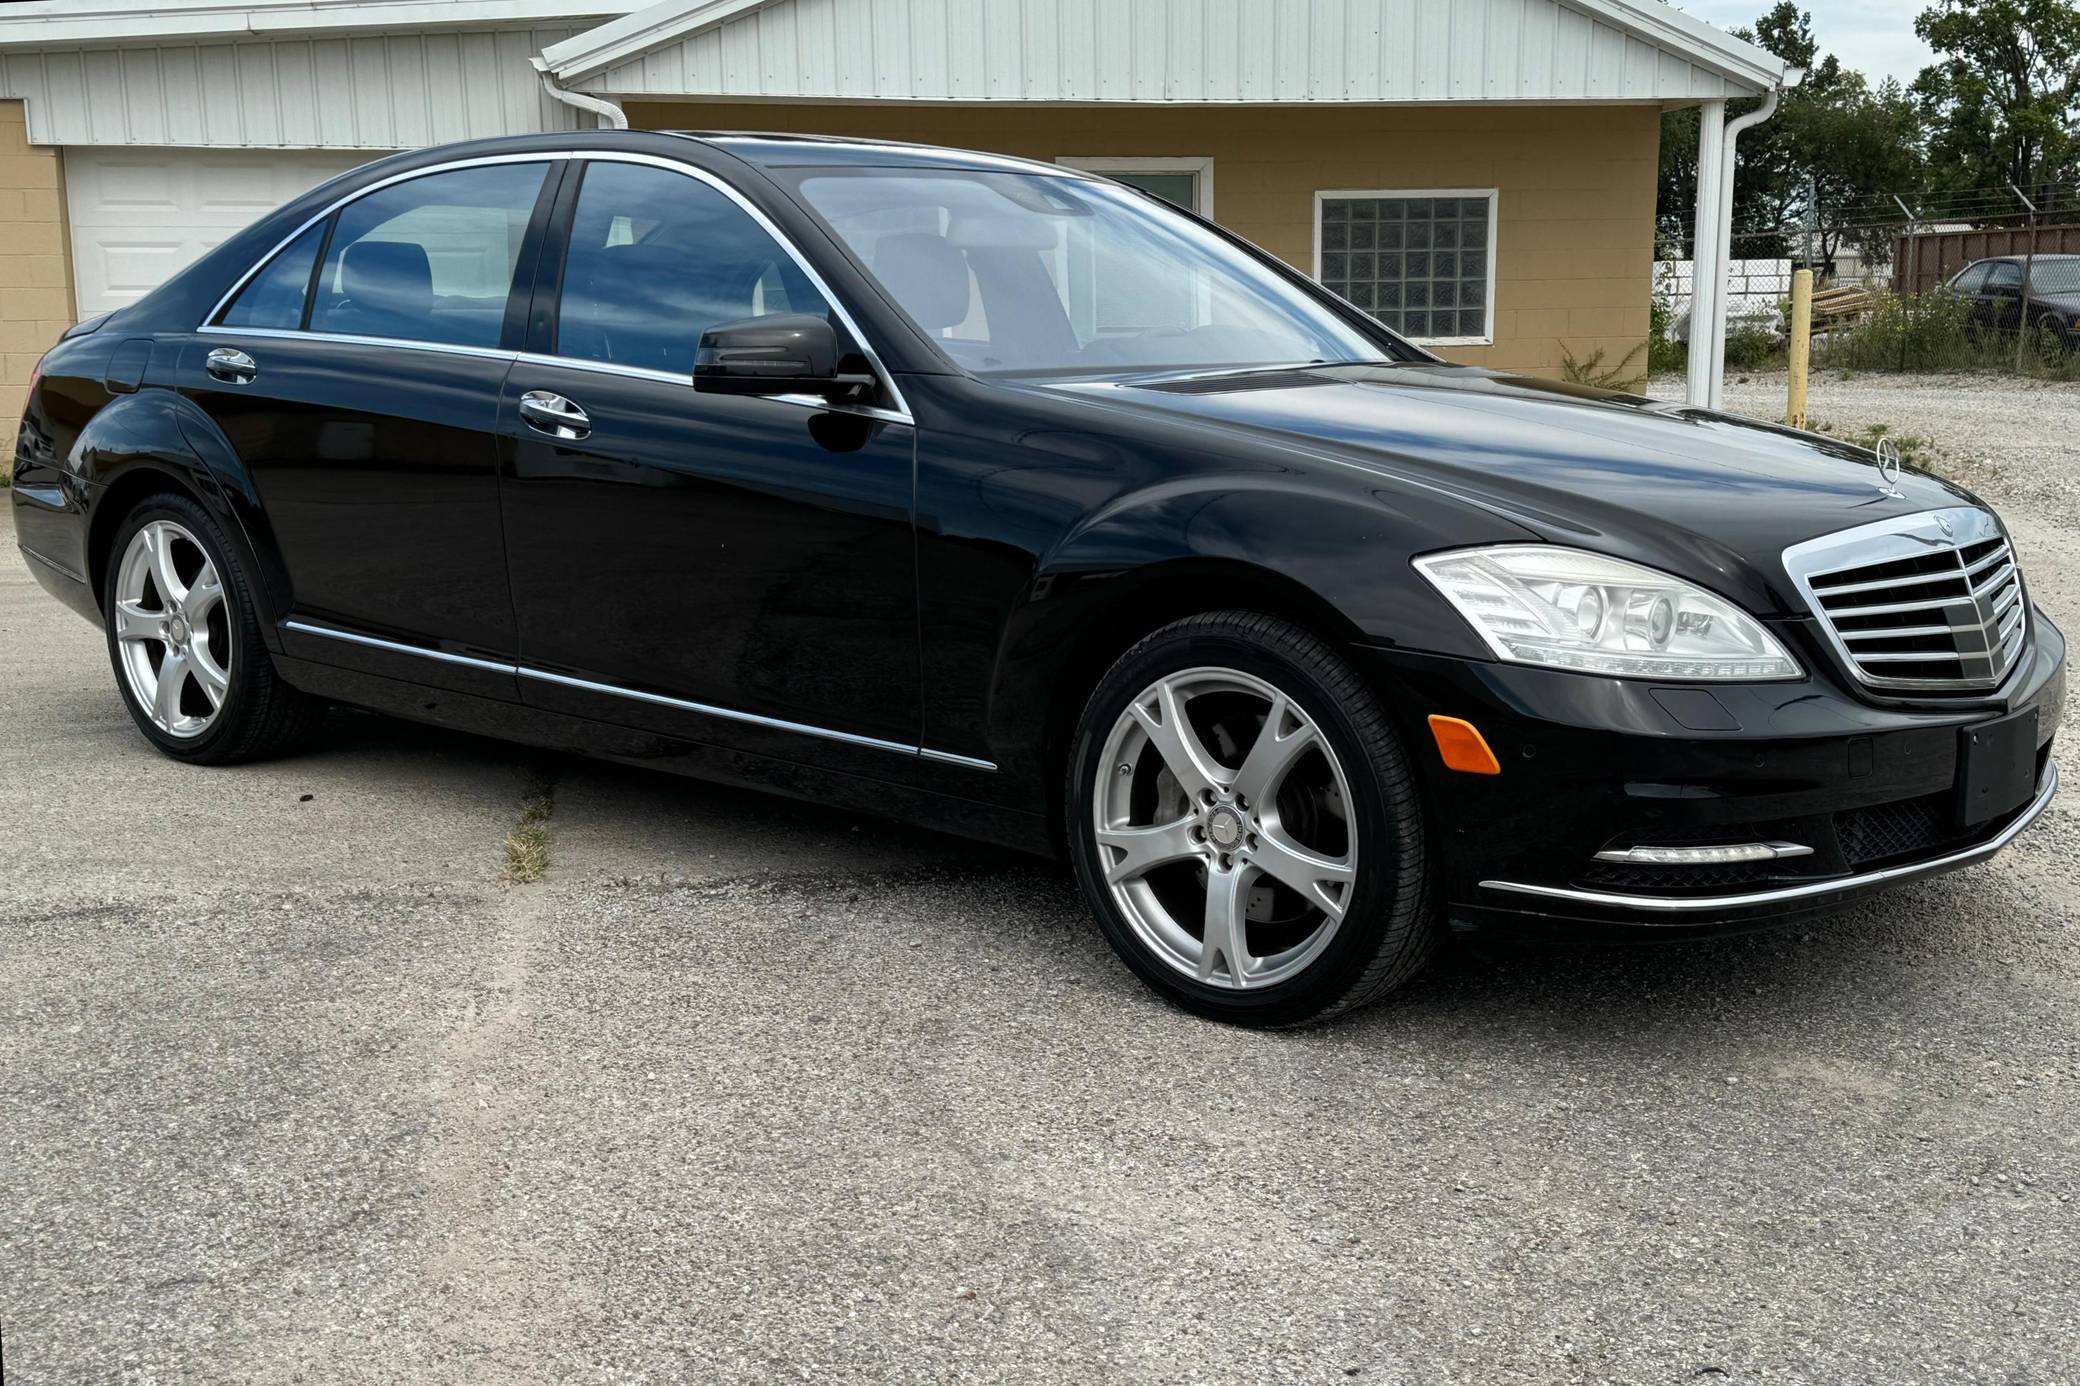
[1840, 304]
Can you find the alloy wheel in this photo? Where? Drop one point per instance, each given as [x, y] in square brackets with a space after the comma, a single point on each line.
[172, 629]
[1223, 826]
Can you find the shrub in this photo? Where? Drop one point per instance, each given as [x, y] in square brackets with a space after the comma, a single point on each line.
[1665, 355]
[1905, 332]
[1934, 332]
[1590, 370]
[1749, 347]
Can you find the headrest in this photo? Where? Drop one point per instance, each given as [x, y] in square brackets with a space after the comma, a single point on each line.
[624, 263]
[927, 275]
[391, 275]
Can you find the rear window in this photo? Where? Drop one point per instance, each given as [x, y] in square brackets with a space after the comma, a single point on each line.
[274, 297]
[429, 260]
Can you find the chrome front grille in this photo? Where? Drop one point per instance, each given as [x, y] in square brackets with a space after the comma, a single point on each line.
[1929, 603]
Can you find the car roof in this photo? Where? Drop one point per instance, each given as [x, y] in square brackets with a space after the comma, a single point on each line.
[774, 149]
[2041, 257]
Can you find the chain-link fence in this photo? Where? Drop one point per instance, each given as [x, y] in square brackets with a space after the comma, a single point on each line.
[1984, 280]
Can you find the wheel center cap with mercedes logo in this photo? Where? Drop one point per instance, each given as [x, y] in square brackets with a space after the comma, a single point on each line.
[1225, 829]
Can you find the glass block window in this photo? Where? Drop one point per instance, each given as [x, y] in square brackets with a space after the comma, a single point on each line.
[1416, 261]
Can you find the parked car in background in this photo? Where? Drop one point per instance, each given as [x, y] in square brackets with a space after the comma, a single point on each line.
[1994, 289]
[1009, 499]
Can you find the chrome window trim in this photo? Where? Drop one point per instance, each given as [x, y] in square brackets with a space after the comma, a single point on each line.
[898, 414]
[1905, 536]
[638, 695]
[285, 334]
[1663, 904]
[209, 319]
[815, 402]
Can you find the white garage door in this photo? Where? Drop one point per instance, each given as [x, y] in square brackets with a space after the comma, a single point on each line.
[138, 215]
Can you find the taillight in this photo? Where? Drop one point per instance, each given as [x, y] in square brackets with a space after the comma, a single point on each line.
[29, 397]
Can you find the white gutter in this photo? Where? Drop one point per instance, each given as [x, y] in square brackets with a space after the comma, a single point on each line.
[1707, 324]
[608, 111]
[1734, 128]
[1714, 238]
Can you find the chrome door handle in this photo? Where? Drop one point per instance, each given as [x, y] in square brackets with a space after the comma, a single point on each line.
[231, 365]
[554, 415]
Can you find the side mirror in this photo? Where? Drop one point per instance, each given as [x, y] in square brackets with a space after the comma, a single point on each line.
[780, 354]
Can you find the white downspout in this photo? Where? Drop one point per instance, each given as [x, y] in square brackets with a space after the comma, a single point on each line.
[609, 111]
[1706, 272]
[1715, 381]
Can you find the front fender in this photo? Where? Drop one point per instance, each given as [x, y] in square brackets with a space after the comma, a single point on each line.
[1332, 555]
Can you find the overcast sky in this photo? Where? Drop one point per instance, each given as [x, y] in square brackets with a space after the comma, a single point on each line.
[1875, 36]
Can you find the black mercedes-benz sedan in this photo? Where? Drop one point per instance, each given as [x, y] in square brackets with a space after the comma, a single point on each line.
[2000, 290]
[1000, 497]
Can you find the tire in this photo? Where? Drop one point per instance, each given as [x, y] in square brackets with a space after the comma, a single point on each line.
[1323, 884]
[174, 595]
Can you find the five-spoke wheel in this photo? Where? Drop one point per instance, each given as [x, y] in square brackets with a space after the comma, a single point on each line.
[1223, 827]
[172, 629]
[184, 636]
[1245, 824]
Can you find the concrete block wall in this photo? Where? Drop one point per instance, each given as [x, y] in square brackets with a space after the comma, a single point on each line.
[35, 263]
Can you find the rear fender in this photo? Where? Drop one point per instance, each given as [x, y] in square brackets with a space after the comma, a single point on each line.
[156, 438]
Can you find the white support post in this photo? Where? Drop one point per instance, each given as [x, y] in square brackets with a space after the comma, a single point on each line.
[1706, 255]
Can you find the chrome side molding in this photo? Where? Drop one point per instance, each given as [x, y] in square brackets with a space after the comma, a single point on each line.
[521, 671]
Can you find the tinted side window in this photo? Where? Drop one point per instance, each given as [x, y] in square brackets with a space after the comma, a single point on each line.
[429, 260]
[655, 259]
[2006, 274]
[274, 297]
[1971, 281]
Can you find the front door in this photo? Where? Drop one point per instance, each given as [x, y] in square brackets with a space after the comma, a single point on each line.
[363, 402]
[734, 570]
[2004, 295]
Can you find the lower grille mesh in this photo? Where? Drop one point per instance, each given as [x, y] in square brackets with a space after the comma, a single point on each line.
[1906, 828]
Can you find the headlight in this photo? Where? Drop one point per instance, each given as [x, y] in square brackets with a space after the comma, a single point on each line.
[1539, 604]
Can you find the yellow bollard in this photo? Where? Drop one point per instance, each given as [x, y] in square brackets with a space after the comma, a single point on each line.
[1801, 346]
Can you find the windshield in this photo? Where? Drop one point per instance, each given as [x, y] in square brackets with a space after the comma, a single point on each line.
[1019, 272]
[2055, 277]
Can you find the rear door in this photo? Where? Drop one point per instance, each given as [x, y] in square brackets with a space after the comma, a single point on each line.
[735, 570]
[357, 376]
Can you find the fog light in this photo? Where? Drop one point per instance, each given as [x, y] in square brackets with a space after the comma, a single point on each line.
[1704, 856]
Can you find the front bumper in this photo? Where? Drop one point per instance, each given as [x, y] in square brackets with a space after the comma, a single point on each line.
[1590, 764]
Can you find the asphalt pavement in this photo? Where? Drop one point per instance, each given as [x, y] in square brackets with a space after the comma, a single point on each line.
[294, 1088]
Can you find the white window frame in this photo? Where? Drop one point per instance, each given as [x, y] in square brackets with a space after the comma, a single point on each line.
[1494, 197]
[1200, 164]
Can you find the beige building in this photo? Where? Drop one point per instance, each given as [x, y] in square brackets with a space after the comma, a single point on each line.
[1480, 174]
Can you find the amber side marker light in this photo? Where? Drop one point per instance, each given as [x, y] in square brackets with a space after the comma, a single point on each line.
[1463, 747]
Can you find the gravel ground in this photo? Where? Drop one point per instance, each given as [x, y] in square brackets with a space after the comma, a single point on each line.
[293, 1088]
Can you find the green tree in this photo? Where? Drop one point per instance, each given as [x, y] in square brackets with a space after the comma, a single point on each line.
[1808, 177]
[2001, 98]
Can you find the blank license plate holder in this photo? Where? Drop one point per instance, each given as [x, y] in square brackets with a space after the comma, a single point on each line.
[1996, 767]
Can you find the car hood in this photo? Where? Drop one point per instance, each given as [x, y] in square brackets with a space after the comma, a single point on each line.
[1712, 496]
